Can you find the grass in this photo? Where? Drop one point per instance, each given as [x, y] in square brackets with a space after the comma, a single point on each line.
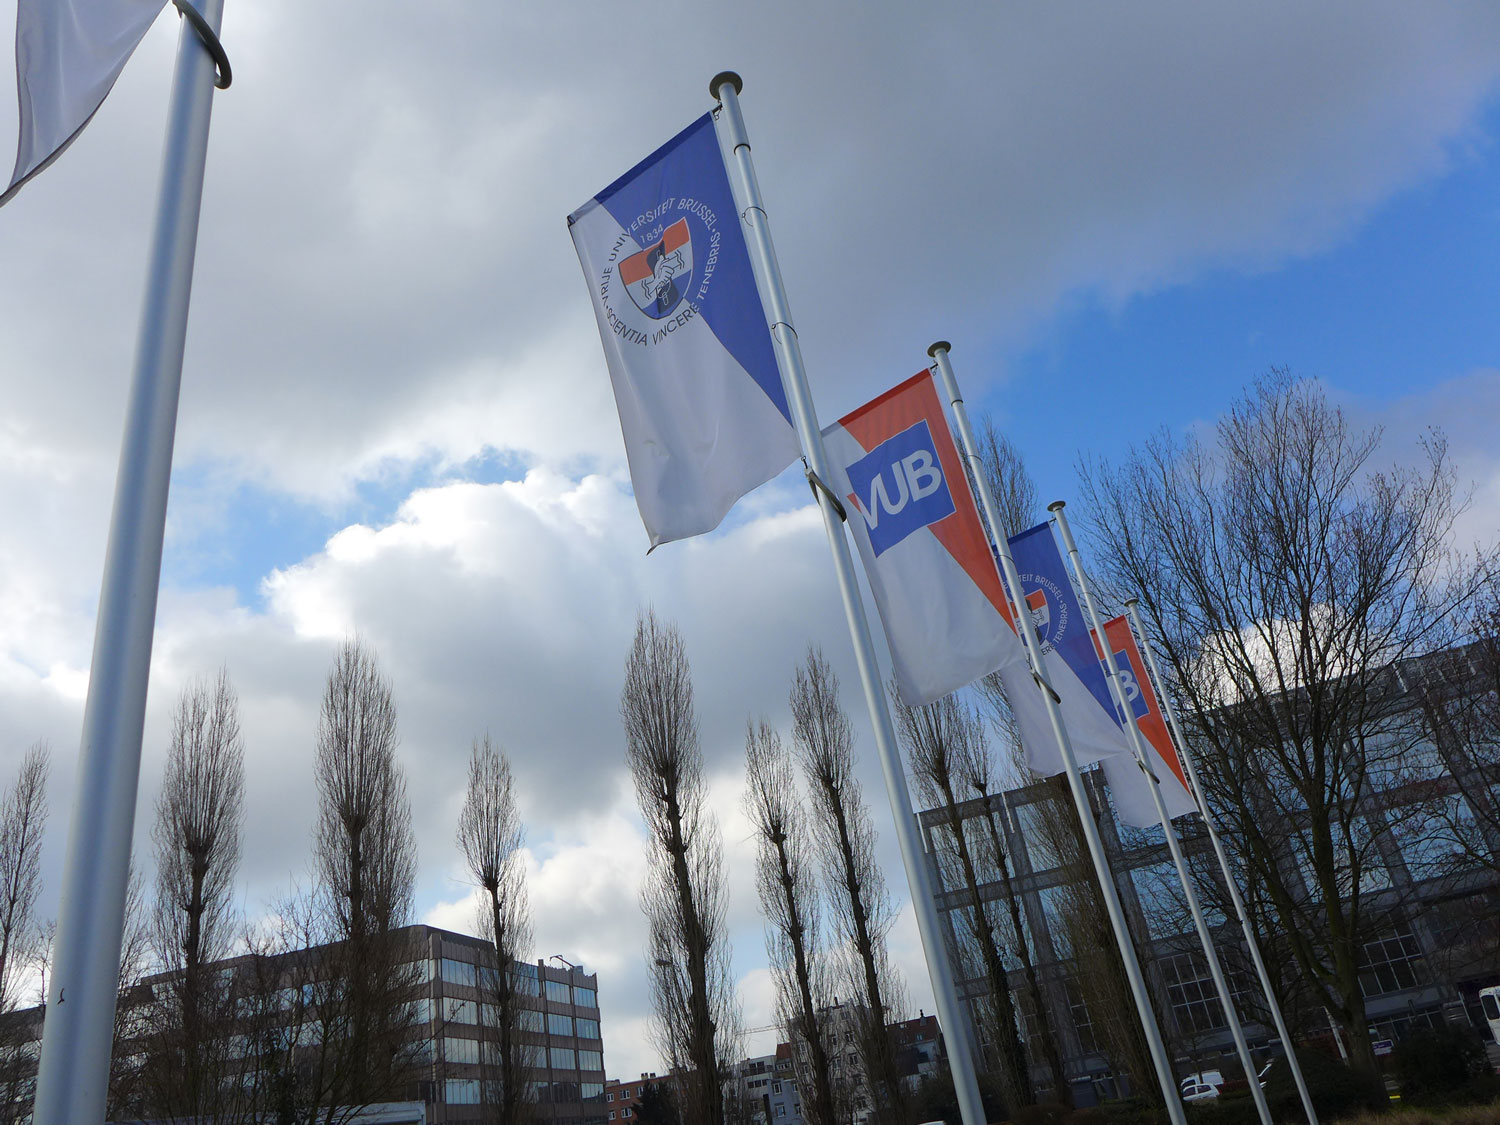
[1454, 1115]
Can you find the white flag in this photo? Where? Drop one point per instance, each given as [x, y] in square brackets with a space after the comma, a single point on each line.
[68, 55]
[701, 404]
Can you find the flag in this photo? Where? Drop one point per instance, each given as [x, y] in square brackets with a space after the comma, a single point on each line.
[1131, 787]
[1069, 659]
[68, 55]
[924, 550]
[701, 404]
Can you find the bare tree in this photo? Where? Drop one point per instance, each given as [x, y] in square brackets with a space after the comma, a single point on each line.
[1015, 496]
[23, 817]
[789, 900]
[491, 837]
[944, 741]
[685, 898]
[199, 811]
[134, 1009]
[365, 861]
[861, 903]
[1289, 580]
[1081, 935]
[976, 778]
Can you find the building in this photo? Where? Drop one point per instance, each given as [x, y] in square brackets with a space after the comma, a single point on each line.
[562, 1027]
[445, 1035]
[1421, 964]
[622, 1098]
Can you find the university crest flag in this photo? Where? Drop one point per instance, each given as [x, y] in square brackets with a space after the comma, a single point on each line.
[68, 55]
[701, 404]
[924, 550]
[1129, 786]
[1069, 658]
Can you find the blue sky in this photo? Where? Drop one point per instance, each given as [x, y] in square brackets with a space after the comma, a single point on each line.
[1403, 302]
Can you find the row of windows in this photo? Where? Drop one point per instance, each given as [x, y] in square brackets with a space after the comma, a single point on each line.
[475, 976]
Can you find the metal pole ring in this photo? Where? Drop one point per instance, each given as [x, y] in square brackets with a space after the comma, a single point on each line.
[210, 41]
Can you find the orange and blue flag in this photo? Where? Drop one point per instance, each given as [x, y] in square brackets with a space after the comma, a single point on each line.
[924, 549]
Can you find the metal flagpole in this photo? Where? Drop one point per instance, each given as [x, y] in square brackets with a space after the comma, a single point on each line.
[1137, 743]
[731, 125]
[1238, 903]
[1022, 614]
[77, 1035]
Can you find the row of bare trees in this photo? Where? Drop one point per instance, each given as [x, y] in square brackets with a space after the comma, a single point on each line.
[824, 897]
[827, 908]
[311, 1013]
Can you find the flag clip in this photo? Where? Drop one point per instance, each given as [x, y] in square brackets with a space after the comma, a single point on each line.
[210, 42]
[815, 482]
[1045, 686]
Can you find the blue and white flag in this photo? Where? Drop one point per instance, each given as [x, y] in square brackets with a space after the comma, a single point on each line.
[685, 335]
[1070, 659]
[924, 550]
[68, 55]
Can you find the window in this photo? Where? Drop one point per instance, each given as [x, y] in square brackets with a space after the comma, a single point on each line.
[625, 1112]
[585, 998]
[557, 991]
[590, 1060]
[1392, 963]
[562, 1058]
[461, 1011]
[611, 1115]
[586, 1029]
[461, 1091]
[1195, 1001]
[559, 1025]
[460, 1051]
[1083, 1022]
[781, 1109]
[1034, 832]
[590, 1091]
[529, 1020]
[526, 979]
[775, 1087]
[609, 1097]
[458, 972]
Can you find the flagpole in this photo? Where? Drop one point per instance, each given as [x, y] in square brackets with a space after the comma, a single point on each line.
[1137, 744]
[77, 1035]
[1132, 607]
[1022, 615]
[731, 125]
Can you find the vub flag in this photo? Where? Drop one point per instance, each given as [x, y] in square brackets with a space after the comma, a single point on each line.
[924, 550]
[1131, 787]
[1069, 658]
[695, 378]
[68, 55]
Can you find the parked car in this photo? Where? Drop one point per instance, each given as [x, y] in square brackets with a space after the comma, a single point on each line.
[1201, 1086]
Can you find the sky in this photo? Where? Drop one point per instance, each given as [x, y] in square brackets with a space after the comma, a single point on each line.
[396, 421]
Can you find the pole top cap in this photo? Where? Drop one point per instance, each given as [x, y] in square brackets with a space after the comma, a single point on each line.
[1057, 505]
[940, 346]
[1131, 603]
[720, 79]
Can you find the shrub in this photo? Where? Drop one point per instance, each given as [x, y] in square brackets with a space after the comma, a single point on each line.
[1045, 1113]
[1335, 1088]
[1223, 1111]
[1443, 1065]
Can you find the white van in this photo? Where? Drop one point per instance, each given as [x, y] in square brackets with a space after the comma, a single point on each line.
[1489, 1000]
